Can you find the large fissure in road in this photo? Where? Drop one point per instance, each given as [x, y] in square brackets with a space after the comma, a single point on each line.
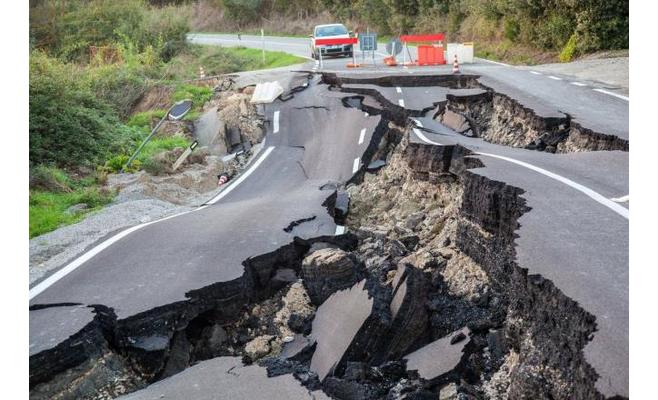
[476, 110]
[422, 298]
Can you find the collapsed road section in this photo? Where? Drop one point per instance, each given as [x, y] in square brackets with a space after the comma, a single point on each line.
[432, 293]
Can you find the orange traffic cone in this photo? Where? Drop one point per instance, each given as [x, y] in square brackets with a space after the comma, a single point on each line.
[455, 66]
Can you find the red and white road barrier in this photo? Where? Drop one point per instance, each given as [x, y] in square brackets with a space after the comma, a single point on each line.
[336, 41]
[427, 55]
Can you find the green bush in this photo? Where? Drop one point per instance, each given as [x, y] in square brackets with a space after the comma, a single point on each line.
[511, 29]
[67, 28]
[53, 179]
[116, 163]
[569, 51]
[69, 125]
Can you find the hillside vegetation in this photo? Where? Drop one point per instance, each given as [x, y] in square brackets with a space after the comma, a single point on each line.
[90, 64]
[514, 30]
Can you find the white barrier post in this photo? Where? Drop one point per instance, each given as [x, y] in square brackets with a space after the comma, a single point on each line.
[262, 42]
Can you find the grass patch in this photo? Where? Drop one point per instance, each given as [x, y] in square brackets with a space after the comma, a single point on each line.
[158, 145]
[48, 206]
[217, 60]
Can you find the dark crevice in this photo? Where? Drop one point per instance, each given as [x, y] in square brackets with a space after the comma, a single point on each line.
[293, 224]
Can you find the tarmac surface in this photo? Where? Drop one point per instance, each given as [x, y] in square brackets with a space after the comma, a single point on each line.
[575, 235]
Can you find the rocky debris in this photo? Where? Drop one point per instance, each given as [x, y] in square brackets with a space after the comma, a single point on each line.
[239, 115]
[76, 208]
[455, 121]
[338, 204]
[326, 271]
[498, 118]
[210, 131]
[258, 347]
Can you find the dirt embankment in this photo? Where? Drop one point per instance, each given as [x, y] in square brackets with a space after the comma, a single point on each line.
[147, 196]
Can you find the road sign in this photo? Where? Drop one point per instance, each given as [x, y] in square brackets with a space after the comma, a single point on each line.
[394, 47]
[184, 156]
[368, 42]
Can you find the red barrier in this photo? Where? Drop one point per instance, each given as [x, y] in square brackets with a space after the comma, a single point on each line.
[430, 55]
[438, 37]
[329, 42]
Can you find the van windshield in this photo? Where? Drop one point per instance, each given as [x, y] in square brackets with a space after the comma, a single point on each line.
[333, 30]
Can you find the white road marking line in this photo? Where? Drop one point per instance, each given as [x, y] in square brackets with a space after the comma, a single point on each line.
[401, 102]
[242, 177]
[583, 189]
[622, 199]
[340, 229]
[611, 94]
[72, 266]
[420, 124]
[398, 89]
[554, 78]
[578, 84]
[355, 166]
[362, 135]
[366, 115]
[424, 138]
[493, 62]
[275, 129]
[536, 73]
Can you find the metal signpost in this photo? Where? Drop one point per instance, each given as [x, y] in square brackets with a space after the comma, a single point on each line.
[368, 42]
[175, 112]
[184, 156]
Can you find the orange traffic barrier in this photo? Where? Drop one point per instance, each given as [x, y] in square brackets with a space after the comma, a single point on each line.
[430, 55]
[427, 55]
[390, 61]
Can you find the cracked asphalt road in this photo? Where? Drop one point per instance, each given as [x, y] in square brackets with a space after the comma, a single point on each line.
[579, 244]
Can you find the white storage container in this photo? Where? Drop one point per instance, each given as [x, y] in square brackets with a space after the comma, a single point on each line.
[464, 52]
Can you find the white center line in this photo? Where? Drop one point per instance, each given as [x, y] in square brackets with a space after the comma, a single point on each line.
[420, 124]
[340, 229]
[583, 189]
[424, 138]
[398, 89]
[401, 102]
[355, 167]
[555, 78]
[72, 266]
[276, 122]
[362, 135]
[622, 199]
[536, 73]
[611, 94]
[242, 177]
[578, 83]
